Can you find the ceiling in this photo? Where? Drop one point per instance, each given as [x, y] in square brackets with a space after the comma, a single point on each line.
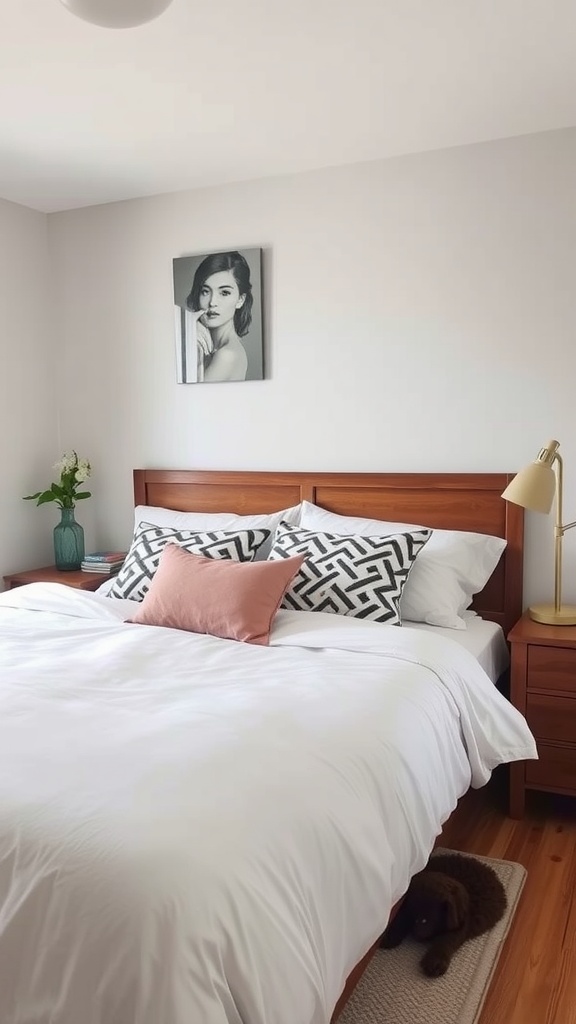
[214, 92]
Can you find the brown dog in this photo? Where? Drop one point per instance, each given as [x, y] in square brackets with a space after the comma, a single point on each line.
[453, 899]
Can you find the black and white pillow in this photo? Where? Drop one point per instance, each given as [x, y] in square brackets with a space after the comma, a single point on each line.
[149, 542]
[348, 575]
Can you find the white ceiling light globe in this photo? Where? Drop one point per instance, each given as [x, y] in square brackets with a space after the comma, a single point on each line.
[117, 13]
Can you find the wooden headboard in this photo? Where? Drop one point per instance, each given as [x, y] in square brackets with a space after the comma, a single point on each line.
[444, 501]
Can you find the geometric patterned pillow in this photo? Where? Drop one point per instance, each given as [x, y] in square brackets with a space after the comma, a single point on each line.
[149, 541]
[348, 575]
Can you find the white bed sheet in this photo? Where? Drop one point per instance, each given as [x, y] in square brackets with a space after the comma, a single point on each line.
[193, 830]
[483, 639]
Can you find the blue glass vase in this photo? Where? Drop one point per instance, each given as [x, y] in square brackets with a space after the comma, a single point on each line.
[68, 542]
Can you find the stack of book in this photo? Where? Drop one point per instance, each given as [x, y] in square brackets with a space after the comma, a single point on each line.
[104, 562]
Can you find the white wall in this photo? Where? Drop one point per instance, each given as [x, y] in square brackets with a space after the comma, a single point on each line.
[28, 397]
[420, 315]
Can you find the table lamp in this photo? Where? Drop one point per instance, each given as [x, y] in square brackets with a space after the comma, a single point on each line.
[534, 488]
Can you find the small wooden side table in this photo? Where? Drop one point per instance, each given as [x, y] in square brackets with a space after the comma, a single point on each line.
[50, 574]
[543, 688]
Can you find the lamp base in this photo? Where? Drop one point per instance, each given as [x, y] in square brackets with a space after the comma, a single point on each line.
[547, 614]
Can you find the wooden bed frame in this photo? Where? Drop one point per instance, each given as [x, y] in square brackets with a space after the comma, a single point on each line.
[443, 501]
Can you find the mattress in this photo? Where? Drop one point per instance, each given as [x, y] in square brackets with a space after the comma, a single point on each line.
[197, 830]
[482, 638]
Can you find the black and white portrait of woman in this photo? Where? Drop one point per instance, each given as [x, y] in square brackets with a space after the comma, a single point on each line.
[218, 317]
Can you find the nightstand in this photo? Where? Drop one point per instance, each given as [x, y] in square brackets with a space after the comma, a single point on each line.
[50, 574]
[543, 688]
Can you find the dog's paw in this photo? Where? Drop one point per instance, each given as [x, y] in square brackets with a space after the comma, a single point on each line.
[389, 940]
[434, 963]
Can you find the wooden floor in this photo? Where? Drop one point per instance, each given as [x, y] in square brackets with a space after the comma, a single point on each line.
[535, 979]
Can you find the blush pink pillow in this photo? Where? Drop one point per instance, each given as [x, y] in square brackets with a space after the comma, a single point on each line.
[232, 600]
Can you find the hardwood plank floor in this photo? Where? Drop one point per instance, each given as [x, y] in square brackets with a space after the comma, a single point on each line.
[535, 979]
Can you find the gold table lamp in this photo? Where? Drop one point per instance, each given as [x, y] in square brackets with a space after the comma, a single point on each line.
[534, 488]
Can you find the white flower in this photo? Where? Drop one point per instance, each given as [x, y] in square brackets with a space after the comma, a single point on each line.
[83, 470]
[67, 463]
[72, 472]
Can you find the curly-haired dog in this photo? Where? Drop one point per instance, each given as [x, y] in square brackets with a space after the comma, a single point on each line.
[453, 899]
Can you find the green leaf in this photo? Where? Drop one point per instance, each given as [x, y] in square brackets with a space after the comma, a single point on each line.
[46, 496]
[32, 497]
[58, 491]
[83, 494]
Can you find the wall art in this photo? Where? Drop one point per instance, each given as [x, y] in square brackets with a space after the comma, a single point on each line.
[218, 317]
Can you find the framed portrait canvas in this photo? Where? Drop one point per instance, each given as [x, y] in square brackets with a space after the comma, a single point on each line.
[218, 316]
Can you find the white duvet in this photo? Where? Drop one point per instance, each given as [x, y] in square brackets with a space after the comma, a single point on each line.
[195, 831]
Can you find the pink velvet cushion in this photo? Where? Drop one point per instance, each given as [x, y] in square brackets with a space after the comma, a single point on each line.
[232, 600]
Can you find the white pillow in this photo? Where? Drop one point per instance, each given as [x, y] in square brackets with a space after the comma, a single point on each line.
[105, 587]
[209, 521]
[451, 568]
[202, 521]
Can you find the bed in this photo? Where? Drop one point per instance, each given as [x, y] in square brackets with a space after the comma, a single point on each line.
[244, 877]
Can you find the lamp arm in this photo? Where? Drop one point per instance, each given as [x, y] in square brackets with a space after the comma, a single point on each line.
[558, 534]
[559, 531]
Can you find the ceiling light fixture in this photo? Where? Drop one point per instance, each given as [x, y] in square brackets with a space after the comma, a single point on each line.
[117, 13]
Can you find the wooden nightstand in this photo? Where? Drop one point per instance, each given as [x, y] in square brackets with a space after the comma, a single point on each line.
[50, 574]
[543, 688]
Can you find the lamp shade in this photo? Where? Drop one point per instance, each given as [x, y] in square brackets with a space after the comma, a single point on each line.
[534, 486]
[117, 13]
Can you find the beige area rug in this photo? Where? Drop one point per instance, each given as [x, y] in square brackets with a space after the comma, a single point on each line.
[393, 989]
